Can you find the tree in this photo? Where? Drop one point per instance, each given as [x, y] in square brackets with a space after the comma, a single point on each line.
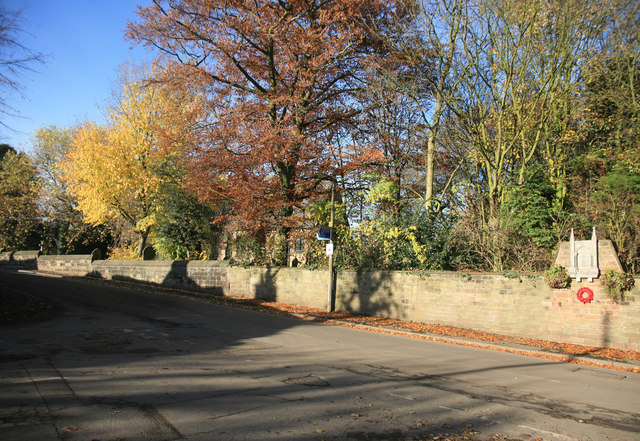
[390, 123]
[429, 73]
[19, 190]
[65, 230]
[278, 77]
[184, 229]
[114, 170]
[611, 93]
[617, 210]
[4, 149]
[15, 60]
[518, 108]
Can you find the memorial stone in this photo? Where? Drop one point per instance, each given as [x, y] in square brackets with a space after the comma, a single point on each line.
[585, 259]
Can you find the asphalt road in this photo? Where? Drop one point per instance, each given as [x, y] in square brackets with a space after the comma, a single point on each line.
[104, 361]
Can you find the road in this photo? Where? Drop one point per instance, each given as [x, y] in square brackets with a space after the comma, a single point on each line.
[118, 361]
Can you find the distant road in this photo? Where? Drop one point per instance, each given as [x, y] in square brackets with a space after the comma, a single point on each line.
[119, 361]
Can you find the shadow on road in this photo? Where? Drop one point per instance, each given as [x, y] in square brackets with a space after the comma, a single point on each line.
[121, 357]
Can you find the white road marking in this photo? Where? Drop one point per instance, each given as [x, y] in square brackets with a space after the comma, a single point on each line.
[401, 396]
[450, 408]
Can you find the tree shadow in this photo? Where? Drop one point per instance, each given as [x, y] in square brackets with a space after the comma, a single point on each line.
[367, 293]
[605, 338]
[184, 275]
[209, 370]
[266, 289]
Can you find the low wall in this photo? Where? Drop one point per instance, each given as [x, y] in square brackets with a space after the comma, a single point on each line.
[20, 259]
[522, 306]
[209, 276]
[72, 264]
[295, 286]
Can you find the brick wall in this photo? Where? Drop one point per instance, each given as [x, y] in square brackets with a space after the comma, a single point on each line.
[522, 306]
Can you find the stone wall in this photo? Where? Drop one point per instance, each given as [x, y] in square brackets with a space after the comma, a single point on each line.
[20, 259]
[295, 286]
[208, 276]
[521, 306]
[72, 264]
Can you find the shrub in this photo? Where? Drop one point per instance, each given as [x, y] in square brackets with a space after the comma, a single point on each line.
[557, 277]
[617, 283]
[123, 252]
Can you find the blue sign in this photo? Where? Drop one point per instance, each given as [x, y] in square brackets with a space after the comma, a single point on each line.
[324, 233]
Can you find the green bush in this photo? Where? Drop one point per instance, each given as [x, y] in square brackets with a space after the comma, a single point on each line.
[617, 283]
[557, 277]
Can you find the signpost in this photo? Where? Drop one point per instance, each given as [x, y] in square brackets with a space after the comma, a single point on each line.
[329, 249]
[330, 244]
[326, 233]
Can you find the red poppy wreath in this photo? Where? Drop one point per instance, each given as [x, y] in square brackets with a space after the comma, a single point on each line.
[585, 295]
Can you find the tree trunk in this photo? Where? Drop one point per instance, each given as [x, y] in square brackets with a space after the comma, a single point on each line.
[287, 188]
[428, 194]
[142, 242]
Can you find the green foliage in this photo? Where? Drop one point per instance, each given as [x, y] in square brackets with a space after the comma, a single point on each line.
[617, 283]
[61, 236]
[383, 197]
[616, 201]
[20, 225]
[394, 245]
[279, 249]
[612, 94]
[247, 250]
[527, 211]
[387, 246]
[557, 277]
[182, 224]
[4, 149]
[320, 213]
[170, 249]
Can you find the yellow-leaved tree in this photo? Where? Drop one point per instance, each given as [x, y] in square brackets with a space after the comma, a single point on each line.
[115, 170]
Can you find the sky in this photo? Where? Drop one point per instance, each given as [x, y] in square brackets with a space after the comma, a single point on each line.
[84, 46]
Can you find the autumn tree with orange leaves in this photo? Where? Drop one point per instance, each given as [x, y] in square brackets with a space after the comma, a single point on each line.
[279, 77]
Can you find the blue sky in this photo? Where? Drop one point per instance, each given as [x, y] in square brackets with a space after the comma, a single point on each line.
[83, 42]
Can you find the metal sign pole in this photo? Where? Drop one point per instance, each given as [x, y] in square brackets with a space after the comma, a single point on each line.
[330, 289]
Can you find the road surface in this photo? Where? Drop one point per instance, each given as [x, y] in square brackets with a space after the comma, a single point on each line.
[111, 361]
